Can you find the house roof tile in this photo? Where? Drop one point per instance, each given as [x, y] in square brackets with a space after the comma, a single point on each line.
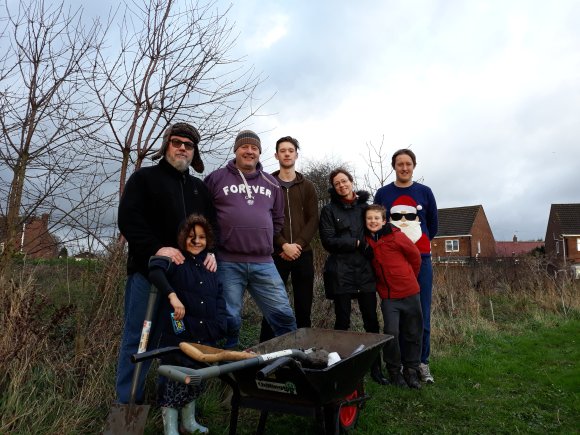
[567, 216]
[456, 221]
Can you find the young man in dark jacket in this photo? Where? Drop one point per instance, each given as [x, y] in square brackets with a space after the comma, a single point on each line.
[397, 262]
[293, 255]
[155, 201]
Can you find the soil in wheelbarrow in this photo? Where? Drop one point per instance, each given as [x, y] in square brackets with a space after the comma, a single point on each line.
[309, 386]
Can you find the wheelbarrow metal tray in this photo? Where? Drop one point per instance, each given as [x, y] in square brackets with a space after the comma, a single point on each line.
[314, 387]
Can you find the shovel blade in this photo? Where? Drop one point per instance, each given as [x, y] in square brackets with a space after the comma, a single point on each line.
[126, 419]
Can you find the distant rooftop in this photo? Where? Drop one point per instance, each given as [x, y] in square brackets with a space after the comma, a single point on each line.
[508, 249]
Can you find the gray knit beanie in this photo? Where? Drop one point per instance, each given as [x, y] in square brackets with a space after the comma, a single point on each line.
[182, 129]
[247, 137]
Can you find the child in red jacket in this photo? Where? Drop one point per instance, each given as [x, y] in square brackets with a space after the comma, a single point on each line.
[397, 261]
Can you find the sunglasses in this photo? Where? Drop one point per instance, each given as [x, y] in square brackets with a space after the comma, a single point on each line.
[176, 143]
[407, 216]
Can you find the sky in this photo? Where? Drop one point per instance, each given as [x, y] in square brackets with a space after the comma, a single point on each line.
[486, 93]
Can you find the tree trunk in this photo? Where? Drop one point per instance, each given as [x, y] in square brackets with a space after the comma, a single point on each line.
[12, 223]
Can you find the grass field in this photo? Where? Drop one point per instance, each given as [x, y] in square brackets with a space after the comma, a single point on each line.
[501, 383]
[504, 339]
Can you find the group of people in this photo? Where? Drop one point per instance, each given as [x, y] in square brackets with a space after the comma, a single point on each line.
[370, 254]
[204, 243]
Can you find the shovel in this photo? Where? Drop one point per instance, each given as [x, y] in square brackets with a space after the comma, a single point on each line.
[130, 419]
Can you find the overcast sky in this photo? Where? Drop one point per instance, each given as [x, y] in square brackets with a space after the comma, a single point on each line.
[487, 93]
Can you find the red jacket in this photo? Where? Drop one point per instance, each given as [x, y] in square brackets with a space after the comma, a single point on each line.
[396, 261]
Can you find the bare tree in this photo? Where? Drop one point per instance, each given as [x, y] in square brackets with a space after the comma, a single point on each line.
[379, 166]
[43, 116]
[172, 65]
[72, 111]
[318, 171]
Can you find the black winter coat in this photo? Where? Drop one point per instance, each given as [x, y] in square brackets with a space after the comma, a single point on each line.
[156, 200]
[346, 270]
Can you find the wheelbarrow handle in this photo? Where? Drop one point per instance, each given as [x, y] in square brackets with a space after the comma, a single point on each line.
[183, 375]
[155, 353]
[274, 366]
[195, 377]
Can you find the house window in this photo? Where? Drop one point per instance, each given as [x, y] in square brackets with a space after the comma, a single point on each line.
[479, 247]
[451, 245]
[578, 244]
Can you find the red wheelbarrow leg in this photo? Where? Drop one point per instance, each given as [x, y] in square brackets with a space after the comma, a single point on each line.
[331, 420]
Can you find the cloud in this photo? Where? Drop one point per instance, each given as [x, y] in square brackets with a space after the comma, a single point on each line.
[271, 29]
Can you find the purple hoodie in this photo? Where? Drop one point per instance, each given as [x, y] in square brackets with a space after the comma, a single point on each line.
[247, 223]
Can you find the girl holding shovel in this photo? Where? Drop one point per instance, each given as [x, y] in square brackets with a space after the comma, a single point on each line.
[193, 310]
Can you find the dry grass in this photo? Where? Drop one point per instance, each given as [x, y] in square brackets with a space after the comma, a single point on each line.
[58, 350]
[57, 359]
[491, 296]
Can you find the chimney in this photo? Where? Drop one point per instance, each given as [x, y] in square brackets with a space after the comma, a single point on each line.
[515, 239]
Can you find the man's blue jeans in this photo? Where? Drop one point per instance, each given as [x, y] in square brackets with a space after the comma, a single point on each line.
[136, 297]
[425, 279]
[266, 288]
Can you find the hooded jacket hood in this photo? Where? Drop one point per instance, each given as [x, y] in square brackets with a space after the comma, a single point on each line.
[362, 196]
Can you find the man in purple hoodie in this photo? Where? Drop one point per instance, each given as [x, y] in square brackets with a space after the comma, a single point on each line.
[250, 209]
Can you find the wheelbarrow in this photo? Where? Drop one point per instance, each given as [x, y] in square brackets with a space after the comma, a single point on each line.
[334, 395]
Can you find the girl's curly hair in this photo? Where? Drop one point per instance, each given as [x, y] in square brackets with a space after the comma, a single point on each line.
[188, 225]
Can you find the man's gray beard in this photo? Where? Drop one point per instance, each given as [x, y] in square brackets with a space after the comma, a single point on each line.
[179, 164]
[412, 230]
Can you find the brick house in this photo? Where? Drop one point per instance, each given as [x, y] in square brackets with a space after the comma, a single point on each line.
[563, 237]
[464, 235]
[33, 238]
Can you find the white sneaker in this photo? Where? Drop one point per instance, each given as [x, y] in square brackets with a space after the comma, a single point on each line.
[425, 374]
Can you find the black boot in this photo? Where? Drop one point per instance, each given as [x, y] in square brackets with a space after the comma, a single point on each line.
[396, 378]
[377, 374]
[412, 378]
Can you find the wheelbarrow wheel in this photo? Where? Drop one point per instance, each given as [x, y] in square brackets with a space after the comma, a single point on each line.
[341, 419]
[348, 414]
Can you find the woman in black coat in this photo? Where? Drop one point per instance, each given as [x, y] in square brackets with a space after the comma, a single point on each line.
[348, 274]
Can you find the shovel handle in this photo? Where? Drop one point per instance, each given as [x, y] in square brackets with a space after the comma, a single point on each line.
[144, 340]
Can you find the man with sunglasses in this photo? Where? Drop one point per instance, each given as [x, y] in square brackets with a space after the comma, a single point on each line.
[155, 201]
[412, 208]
